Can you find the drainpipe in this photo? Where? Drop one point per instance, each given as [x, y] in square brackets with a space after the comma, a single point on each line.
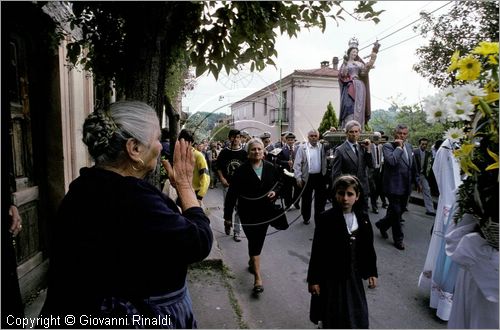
[280, 106]
[291, 128]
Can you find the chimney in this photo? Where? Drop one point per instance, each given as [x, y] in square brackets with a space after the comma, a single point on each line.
[335, 63]
[325, 64]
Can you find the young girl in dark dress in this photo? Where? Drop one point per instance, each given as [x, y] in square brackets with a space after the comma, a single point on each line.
[342, 255]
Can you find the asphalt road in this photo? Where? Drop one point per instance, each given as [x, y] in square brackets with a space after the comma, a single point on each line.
[396, 303]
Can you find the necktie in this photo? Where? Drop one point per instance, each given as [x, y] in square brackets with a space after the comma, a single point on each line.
[355, 149]
[405, 153]
[377, 157]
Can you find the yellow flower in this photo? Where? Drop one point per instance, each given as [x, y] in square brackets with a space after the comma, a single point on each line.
[495, 158]
[486, 48]
[464, 155]
[454, 61]
[491, 92]
[492, 59]
[469, 68]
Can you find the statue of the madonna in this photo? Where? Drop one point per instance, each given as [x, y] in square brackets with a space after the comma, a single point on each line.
[354, 85]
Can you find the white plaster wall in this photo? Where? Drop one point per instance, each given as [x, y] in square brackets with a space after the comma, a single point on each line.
[307, 100]
[311, 101]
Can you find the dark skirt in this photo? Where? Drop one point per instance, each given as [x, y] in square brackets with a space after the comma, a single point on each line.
[256, 234]
[342, 301]
[170, 311]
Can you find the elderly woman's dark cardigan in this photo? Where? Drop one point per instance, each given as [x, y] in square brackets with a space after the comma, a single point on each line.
[119, 236]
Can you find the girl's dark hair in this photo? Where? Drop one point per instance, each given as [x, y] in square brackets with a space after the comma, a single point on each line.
[345, 181]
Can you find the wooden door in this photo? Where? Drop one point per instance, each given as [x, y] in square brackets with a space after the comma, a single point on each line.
[22, 165]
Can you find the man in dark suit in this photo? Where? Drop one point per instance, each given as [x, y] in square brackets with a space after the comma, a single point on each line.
[423, 163]
[399, 172]
[290, 190]
[354, 158]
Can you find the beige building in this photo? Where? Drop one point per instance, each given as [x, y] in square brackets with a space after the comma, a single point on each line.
[303, 96]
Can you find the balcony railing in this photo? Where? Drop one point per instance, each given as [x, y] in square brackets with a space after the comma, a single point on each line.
[276, 114]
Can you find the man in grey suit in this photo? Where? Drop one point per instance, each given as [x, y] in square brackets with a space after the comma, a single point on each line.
[354, 158]
[399, 172]
[309, 169]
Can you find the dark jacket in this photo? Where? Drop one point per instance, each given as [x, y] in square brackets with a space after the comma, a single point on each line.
[399, 173]
[427, 168]
[251, 193]
[331, 254]
[345, 161]
[122, 237]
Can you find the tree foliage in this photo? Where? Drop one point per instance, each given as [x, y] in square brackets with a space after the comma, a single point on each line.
[237, 32]
[329, 119]
[411, 115]
[202, 124]
[215, 35]
[219, 132]
[467, 23]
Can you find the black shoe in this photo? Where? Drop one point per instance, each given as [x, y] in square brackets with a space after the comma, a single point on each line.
[399, 246]
[431, 213]
[306, 222]
[257, 289]
[383, 233]
[236, 237]
[375, 210]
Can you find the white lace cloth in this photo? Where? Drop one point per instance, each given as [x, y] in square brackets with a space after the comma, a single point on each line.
[475, 301]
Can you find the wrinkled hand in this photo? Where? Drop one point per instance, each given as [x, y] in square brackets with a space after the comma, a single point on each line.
[372, 282]
[366, 144]
[170, 171]
[271, 195]
[183, 164]
[16, 225]
[314, 289]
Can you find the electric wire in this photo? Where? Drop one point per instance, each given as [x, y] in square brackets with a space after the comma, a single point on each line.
[393, 25]
[404, 27]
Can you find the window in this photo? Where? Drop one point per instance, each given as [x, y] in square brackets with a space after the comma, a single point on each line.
[265, 106]
[253, 110]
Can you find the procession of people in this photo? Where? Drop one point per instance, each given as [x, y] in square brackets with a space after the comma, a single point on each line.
[115, 215]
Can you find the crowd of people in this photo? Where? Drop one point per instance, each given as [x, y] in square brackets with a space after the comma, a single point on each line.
[112, 215]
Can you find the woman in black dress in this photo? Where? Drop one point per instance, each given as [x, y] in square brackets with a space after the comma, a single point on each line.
[253, 190]
[342, 255]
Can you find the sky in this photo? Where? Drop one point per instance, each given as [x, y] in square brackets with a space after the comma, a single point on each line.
[392, 77]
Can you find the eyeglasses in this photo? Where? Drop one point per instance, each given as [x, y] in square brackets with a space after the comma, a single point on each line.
[313, 136]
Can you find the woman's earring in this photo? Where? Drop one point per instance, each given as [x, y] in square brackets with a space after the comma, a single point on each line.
[142, 164]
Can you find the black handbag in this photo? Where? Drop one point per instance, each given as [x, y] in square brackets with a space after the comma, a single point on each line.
[279, 220]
